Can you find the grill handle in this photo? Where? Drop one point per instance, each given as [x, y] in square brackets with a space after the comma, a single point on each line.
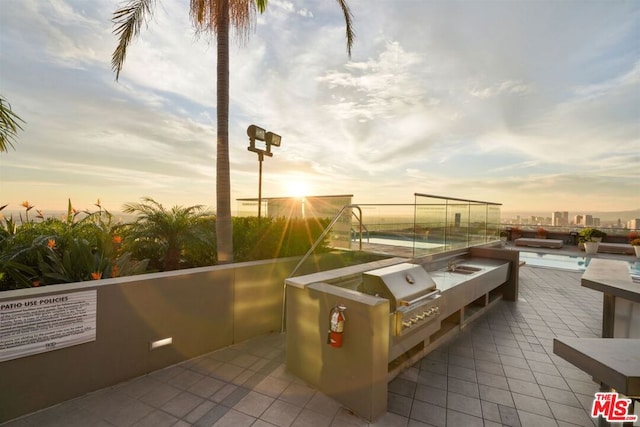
[423, 297]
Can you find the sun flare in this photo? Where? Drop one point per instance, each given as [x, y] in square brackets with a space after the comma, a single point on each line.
[296, 188]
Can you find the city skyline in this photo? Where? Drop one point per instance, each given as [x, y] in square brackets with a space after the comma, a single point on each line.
[530, 104]
[615, 219]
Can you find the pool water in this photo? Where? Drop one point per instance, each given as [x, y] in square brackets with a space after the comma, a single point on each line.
[568, 262]
[403, 243]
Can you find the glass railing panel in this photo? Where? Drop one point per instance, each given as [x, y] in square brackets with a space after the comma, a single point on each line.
[477, 223]
[457, 225]
[433, 224]
[389, 221]
[340, 246]
[341, 235]
[493, 223]
[430, 225]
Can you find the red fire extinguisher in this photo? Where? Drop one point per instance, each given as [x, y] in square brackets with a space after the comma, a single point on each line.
[336, 326]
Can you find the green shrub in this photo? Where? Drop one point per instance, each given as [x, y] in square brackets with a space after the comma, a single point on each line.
[87, 246]
[71, 249]
[267, 238]
[173, 238]
[588, 234]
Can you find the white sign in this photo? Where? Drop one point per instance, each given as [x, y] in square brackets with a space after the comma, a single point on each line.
[36, 325]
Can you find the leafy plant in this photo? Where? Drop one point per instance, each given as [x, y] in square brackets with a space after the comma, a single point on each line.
[78, 261]
[85, 245]
[268, 238]
[590, 235]
[164, 235]
[71, 249]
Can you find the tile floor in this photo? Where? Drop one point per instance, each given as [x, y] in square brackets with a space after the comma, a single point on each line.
[500, 370]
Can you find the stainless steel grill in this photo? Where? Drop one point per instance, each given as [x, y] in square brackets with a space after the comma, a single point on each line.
[412, 294]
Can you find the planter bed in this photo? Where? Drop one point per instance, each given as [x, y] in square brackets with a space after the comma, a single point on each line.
[538, 243]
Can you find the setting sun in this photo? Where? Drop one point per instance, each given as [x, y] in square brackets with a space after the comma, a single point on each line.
[296, 187]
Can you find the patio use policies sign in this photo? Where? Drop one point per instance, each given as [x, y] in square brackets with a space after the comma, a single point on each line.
[36, 325]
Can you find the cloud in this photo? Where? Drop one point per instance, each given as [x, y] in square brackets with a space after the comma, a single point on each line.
[378, 88]
[506, 87]
[517, 102]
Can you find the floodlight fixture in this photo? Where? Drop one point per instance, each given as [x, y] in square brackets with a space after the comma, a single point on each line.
[256, 132]
[272, 139]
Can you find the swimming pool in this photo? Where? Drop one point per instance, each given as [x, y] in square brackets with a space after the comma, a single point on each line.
[568, 262]
[403, 243]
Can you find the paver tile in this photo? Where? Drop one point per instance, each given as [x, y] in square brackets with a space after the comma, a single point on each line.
[500, 370]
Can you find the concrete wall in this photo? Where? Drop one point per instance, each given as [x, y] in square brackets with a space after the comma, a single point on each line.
[202, 309]
[355, 374]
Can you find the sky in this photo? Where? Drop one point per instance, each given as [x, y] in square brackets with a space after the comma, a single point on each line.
[532, 104]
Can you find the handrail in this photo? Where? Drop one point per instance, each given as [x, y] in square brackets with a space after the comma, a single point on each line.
[433, 196]
[362, 225]
[313, 248]
[326, 231]
[366, 232]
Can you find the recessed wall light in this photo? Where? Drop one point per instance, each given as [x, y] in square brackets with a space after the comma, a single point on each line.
[160, 343]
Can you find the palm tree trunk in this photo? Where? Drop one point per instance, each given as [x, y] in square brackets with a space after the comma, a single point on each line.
[224, 232]
[172, 258]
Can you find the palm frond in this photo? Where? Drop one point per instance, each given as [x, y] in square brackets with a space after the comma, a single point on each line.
[242, 16]
[128, 21]
[348, 19]
[262, 5]
[9, 125]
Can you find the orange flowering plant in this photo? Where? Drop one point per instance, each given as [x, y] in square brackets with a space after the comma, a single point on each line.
[82, 245]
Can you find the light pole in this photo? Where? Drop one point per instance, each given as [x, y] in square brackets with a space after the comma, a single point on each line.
[257, 133]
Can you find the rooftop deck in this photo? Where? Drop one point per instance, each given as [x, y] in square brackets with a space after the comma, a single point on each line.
[500, 370]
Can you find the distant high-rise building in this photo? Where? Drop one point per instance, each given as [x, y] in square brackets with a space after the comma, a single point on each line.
[588, 220]
[577, 220]
[596, 222]
[634, 224]
[537, 220]
[560, 219]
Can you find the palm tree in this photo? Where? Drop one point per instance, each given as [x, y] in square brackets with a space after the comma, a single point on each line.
[213, 17]
[170, 231]
[8, 125]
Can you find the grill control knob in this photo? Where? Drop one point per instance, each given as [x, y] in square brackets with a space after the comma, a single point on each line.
[436, 309]
[421, 316]
[406, 324]
[427, 313]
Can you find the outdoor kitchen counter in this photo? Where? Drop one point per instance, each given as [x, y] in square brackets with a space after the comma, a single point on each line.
[396, 311]
[464, 296]
[448, 279]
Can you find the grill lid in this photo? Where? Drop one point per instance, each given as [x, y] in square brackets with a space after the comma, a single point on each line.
[400, 282]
